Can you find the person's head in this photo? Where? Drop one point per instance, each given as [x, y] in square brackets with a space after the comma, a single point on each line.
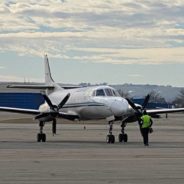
[144, 112]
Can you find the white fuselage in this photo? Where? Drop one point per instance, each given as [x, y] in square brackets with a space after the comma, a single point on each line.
[88, 105]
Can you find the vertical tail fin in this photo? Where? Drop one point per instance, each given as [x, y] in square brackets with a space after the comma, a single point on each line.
[48, 76]
[49, 85]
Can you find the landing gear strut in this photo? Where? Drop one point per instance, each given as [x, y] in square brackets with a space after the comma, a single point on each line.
[41, 136]
[110, 137]
[123, 137]
[54, 127]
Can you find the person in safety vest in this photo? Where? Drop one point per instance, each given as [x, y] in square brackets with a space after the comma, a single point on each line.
[145, 127]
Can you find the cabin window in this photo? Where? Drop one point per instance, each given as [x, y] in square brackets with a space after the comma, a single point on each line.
[100, 92]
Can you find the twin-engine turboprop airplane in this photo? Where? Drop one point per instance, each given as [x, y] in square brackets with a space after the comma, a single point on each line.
[85, 103]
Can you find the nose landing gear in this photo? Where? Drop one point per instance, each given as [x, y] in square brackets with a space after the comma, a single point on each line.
[123, 137]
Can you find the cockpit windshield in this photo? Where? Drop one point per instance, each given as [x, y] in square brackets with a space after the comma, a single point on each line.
[100, 92]
[109, 92]
[115, 92]
[105, 92]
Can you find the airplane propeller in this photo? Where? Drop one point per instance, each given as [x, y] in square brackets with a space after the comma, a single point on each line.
[54, 110]
[55, 107]
[146, 100]
[139, 110]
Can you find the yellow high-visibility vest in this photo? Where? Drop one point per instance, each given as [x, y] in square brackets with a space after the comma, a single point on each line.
[146, 121]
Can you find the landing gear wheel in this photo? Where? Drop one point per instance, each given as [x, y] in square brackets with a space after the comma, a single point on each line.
[120, 137]
[123, 137]
[41, 137]
[110, 139]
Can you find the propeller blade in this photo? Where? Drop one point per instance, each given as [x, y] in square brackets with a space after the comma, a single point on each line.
[63, 102]
[42, 115]
[146, 100]
[48, 101]
[131, 104]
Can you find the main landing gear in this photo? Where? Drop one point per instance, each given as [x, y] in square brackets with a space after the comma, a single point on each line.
[123, 137]
[41, 137]
[110, 137]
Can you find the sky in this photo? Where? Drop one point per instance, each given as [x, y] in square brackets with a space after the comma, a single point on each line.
[95, 41]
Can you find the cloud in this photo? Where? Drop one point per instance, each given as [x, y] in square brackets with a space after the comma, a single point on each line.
[113, 31]
[59, 47]
[135, 75]
[2, 67]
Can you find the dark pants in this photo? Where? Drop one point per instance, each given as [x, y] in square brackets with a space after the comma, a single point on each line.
[145, 132]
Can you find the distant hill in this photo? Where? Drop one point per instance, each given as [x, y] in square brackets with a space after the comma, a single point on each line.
[168, 92]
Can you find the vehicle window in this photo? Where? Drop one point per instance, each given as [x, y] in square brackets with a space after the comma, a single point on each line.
[115, 93]
[94, 93]
[109, 92]
[100, 92]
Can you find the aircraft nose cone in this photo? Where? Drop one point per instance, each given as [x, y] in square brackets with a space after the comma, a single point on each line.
[118, 107]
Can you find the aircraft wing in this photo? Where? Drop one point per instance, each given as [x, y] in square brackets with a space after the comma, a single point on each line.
[164, 111]
[133, 117]
[20, 110]
[63, 115]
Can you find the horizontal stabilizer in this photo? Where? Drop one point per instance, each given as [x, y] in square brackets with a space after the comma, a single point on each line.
[31, 86]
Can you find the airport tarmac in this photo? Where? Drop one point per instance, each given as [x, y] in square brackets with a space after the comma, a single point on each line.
[81, 156]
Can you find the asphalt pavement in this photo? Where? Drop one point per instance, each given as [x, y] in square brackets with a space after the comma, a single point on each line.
[81, 156]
